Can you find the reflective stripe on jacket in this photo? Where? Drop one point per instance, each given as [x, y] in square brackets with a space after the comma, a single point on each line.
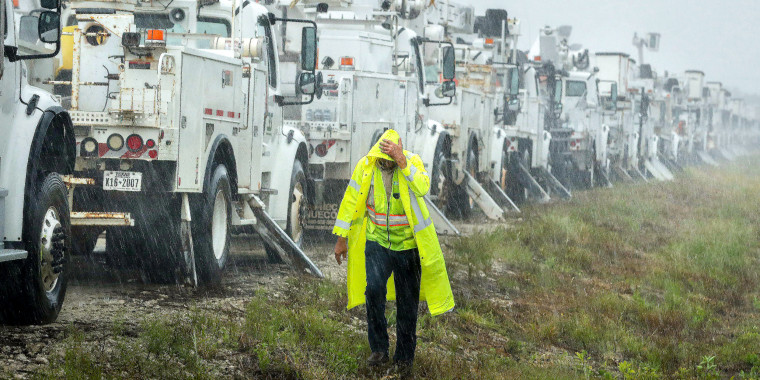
[352, 221]
[388, 225]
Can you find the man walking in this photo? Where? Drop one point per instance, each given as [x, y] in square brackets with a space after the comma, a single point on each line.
[385, 230]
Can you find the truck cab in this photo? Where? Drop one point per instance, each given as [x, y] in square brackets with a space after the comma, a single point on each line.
[36, 155]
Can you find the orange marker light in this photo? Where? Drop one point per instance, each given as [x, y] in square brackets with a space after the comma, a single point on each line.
[155, 35]
[489, 41]
[346, 61]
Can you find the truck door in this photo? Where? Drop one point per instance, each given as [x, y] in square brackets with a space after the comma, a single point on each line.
[257, 110]
[8, 81]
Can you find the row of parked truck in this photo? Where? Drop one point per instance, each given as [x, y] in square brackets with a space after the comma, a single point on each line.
[169, 126]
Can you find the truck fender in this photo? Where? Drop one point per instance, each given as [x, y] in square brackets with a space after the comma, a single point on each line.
[221, 152]
[26, 147]
[426, 142]
[285, 153]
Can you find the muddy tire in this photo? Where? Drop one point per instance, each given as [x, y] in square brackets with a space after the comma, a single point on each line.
[32, 290]
[211, 227]
[298, 203]
[515, 187]
[440, 176]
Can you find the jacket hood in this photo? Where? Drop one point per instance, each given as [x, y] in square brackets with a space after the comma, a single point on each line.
[390, 135]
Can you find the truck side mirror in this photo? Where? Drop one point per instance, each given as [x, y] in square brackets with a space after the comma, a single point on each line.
[49, 27]
[307, 83]
[448, 88]
[614, 94]
[310, 84]
[449, 64]
[2, 37]
[309, 48]
[49, 4]
[514, 105]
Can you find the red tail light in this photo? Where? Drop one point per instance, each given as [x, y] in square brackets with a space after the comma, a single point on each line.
[321, 150]
[150, 144]
[134, 143]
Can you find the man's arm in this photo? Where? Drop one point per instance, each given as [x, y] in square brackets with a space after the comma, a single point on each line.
[346, 215]
[416, 176]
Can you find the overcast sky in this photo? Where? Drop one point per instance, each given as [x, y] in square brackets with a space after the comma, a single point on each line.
[721, 38]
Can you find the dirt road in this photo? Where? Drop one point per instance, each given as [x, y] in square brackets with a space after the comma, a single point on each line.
[98, 295]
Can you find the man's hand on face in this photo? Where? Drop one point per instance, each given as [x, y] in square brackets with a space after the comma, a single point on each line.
[341, 250]
[395, 151]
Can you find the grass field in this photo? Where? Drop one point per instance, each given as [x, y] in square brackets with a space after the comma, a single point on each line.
[651, 280]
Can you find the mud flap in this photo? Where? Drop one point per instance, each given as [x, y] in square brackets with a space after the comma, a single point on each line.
[188, 254]
[529, 182]
[482, 199]
[443, 225]
[555, 184]
[274, 237]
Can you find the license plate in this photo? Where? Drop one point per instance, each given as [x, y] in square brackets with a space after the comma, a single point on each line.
[122, 181]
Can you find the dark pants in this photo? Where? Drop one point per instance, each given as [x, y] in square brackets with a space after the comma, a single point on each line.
[405, 266]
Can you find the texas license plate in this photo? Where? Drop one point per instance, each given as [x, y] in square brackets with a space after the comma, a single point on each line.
[122, 181]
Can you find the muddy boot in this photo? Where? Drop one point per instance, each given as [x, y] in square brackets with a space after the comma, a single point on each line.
[377, 359]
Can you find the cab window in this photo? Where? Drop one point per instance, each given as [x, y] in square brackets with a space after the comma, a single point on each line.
[266, 30]
[215, 26]
[575, 88]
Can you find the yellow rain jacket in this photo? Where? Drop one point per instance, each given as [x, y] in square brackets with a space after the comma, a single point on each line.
[435, 288]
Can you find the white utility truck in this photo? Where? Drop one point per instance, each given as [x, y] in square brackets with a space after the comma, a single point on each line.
[180, 134]
[585, 161]
[37, 151]
[373, 81]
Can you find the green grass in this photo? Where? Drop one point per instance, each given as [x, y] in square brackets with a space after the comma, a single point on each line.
[642, 281]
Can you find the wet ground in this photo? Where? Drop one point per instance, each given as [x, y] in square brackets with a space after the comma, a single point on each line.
[98, 295]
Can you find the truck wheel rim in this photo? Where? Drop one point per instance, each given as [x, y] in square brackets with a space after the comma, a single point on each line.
[296, 213]
[219, 225]
[47, 239]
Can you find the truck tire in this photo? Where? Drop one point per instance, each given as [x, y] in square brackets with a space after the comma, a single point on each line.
[297, 208]
[440, 178]
[516, 188]
[464, 204]
[33, 290]
[211, 222]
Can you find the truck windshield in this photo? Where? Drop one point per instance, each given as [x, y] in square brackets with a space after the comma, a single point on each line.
[575, 88]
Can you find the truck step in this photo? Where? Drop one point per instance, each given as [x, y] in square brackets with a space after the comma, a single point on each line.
[70, 180]
[114, 219]
[12, 254]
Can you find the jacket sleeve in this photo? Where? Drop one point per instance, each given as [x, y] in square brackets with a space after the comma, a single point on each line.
[348, 204]
[416, 175]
